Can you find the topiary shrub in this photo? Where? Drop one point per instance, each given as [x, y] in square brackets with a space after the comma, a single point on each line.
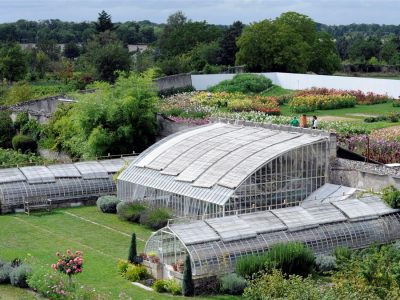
[24, 143]
[325, 263]
[132, 249]
[130, 211]
[156, 218]
[5, 271]
[233, 284]
[187, 283]
[19, 276]
[107, 204]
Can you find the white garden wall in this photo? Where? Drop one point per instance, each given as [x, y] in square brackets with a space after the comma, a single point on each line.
[304, 81]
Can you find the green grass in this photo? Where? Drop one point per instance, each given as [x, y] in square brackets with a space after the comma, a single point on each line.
[8, 292]
[41, 235]
[277, 90]
[376, 109]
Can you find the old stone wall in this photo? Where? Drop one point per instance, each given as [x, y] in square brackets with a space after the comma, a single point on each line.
[174, 81]
[363, 175]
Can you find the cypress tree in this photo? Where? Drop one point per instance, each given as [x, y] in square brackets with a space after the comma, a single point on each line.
[132, 249]
[187, 284]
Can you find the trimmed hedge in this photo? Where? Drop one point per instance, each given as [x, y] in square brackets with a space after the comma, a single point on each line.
[107, 204]
[24, 143]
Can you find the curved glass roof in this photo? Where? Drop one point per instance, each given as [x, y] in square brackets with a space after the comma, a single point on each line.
[211, 161]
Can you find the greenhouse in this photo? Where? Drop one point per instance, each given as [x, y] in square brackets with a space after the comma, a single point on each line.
[61, 183]
[224, 169]
[214, 245]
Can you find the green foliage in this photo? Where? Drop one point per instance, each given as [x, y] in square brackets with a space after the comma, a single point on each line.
[228, 43]
[19, 275]
[173, 91]
[167, 286]
[13, 62]
[233, 284]
[19, 92]
[11, 158]
[132, 249]
[187, 283]
[107, 204]
[104, 22]
[342, 254]
[155, 218]
[136, 273]
[5, 271]
[112, 120]
[276, 285]
[290, 258]
[6, 129]
[301, 104]
[122, 266]
[243, 83]
[301, 49]
[130, 211]
[391, 195]
[24, 143]
[325, 263]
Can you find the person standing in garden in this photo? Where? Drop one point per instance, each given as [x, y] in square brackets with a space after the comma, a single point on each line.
[314, 124]
[294, 122]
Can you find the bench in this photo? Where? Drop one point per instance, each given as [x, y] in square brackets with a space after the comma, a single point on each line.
[38, 203]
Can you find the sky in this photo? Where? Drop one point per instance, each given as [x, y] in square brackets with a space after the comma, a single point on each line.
[332, 12]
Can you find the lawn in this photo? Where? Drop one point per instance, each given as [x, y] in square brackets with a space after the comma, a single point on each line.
[102, 237]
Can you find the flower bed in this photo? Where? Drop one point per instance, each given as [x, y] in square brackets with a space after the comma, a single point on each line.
[300, 104]
[361, 97]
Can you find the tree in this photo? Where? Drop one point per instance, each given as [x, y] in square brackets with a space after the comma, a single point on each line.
[50, 48]
[132, 249]
[389, 53]
[6, 129]
[187, 283]
[106, 55]
[324, 58]
[71, 50]
[228, 43]
[13, 62]
[104, 22]
[286, 44]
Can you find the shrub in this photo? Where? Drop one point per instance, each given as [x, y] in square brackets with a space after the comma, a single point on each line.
[291, 258]
[391, 196]
[275, 285]
[325, 263]
[7, 130]
[156, 218]
[187, 282]
[160, 286]
[248, 265]
[233, 284]
[122, 266]
[107, 204]
[5, 271]
[51, 285]
[342, 254]
[136, 273]
[19, 275]
[24, 143]
[243, 83]
[167, 286]
[132, 249]
[69, 263]
[174, 91]
[129, 211]
[396, 103]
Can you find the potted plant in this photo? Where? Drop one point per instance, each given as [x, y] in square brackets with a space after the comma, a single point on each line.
[180, 264]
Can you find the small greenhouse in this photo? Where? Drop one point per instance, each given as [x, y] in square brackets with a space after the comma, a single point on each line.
[62, 183]
[224, 169]
[214, 245]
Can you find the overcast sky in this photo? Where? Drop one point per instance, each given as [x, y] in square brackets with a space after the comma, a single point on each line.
[215, 12]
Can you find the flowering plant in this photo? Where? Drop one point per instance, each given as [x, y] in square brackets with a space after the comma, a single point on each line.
[69, 263]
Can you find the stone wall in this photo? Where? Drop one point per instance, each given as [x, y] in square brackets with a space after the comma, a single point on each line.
[174, 81]
[363, 175]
